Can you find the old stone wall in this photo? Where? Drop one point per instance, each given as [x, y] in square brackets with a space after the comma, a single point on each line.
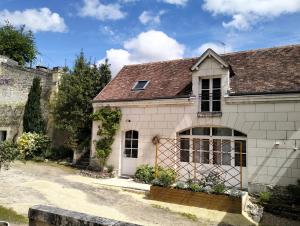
[15, 83]
[50, 216]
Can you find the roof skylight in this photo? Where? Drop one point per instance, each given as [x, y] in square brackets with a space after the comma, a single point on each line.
[140, 85]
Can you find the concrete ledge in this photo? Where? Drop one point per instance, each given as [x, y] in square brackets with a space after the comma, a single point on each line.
[41, 215]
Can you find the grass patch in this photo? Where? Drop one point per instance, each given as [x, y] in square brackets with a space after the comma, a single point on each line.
[9, 215]
[189, 216]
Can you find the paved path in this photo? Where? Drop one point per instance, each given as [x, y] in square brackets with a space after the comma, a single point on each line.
[29, 184]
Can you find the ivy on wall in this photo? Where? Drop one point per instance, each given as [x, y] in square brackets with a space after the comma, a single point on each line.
[109, 124]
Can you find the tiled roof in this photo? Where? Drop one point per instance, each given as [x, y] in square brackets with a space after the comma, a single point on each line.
[273, 70]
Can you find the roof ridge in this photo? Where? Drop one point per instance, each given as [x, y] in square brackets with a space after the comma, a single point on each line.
[222, 54]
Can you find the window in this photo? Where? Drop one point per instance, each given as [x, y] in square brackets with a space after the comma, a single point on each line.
[213, 145]
[3, 135]
[210, 95]
[131, 144]
[140, 85]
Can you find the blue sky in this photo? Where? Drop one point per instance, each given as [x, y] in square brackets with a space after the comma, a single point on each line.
[136, 31]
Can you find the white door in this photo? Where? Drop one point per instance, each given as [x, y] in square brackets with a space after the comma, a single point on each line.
[130, 152]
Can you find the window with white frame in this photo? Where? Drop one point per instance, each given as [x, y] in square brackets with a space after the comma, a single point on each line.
[210, 95]
[131, 144]
[140, 85]
[3, 135]
[213, 145]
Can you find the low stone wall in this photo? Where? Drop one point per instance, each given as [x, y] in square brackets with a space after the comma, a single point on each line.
[41, 215]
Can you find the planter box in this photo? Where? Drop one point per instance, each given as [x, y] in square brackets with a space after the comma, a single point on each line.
[198, 199]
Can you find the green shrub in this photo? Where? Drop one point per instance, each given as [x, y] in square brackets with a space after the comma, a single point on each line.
[219, 188]
[110, 168]
[33, 145]
[8, 152]
[264, 196]
[60, 153]
[196, 187]
[165, 177]
[144, 173]
[294, 191]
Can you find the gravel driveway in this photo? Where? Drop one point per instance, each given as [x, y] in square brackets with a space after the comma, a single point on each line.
[25, 185]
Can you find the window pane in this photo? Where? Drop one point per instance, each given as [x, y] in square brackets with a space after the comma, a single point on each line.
[201, 131]
[204, 151]
[196, 156]
[239, 134]
[238, 144]
[205, 83]
[196, 144]
[134, 143]
[237, 160]
[134, 153]
[205, 95]
[3, 135]
[140, 85]
[184, 144]
[135, 134]
[217, 94]
[127, 143]
[217, 152]
[221, 131]
[186, 132]
[216, 83]
[184, 156]
[216, 106]
[127, 152]
[205, 106]
[226, 146]
[226, 159]
[128, 134]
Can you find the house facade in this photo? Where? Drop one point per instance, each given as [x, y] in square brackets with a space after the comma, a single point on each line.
[239, 110]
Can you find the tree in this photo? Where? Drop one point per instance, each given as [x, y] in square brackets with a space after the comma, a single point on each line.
[73, 105]
[33, 120]
[8, 153]
[17, 44]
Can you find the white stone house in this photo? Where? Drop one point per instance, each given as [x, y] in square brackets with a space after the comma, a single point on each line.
[252, 97]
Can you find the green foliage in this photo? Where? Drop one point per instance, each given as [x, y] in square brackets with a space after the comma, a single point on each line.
[144, 173]
[264, 196]
[60, 153]
[72, 107]
[17, 44]
[8, 152]
[190, 216]
[180, 185]
[9, 215]
[33, 120]
[33, 145]
[109, 124]
[294, 191]
[219, 188]
[195, 187]
[110, 168]
[165, 177]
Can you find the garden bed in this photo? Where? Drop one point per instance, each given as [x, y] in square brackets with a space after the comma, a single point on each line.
[198, 199]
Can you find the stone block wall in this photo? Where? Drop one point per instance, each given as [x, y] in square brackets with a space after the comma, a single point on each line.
[50, 216]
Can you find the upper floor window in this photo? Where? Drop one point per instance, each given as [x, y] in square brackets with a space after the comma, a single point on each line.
[140, 85]
[3, 135]
[131, 144]
[210, 95]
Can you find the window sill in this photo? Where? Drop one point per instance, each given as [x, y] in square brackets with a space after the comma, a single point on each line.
[209, 114]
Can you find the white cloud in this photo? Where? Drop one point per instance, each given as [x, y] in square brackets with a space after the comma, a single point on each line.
[146, 47]
[148, 17]
[217, 47]
[35, 19]
[176, 2]
[94, 8]
[246, 13]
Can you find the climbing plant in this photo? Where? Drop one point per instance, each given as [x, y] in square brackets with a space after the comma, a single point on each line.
[109, 124]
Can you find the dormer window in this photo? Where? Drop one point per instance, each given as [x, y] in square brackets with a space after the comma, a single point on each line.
[140, 85]
[210, 95]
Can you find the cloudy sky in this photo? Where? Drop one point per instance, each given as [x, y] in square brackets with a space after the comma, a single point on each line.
[135, 31]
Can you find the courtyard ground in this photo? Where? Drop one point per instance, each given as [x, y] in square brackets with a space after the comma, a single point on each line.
[25, 185]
